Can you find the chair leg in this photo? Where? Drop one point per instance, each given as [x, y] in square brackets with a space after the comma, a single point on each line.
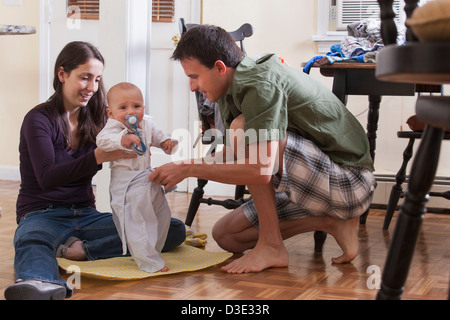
[392, 204]
[363, 217]
[239, 192]
[397, 188]
[402, 247]
[319, 239]
[195, 201]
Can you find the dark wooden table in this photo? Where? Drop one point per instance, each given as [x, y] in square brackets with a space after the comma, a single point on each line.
[356, 78]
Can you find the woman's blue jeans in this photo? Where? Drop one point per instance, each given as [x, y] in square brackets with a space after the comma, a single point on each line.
[40, 233]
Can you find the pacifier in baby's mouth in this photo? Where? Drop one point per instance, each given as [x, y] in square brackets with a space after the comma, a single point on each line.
[132, 120]
[133, 124]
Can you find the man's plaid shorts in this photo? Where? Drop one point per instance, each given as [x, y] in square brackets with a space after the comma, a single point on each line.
[313, 185]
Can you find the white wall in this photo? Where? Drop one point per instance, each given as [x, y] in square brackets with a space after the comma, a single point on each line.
[19, 78]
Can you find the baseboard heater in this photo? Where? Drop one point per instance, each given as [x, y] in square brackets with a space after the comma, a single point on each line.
[440, 189]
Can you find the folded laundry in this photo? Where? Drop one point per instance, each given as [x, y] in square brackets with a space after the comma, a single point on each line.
[363, 41]
[352, 46]
[330, 58]
[365, 36]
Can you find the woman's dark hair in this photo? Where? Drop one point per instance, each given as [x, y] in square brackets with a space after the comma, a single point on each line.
[208, 44]
[93, 117]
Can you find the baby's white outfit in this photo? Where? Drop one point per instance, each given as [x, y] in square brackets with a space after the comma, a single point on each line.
[140, 209]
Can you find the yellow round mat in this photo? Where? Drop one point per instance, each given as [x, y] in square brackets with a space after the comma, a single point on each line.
[182, 259]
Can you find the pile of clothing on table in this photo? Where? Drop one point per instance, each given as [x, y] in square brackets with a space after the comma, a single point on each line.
[361, 45]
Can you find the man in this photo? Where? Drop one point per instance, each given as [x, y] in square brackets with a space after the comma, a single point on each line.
[295, 128]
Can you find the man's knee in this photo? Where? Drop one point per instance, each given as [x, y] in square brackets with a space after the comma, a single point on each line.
[223, 239]
[217, 232]
[221, 233]
[229, 231]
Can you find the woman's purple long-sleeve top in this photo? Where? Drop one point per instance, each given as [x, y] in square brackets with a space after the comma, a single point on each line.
[51, 173]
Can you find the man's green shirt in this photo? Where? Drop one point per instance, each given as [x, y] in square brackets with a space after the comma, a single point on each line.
[278, 98]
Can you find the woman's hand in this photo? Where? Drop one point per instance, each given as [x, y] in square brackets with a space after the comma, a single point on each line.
[103, 156]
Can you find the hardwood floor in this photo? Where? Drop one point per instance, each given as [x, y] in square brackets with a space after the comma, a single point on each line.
[310, 276]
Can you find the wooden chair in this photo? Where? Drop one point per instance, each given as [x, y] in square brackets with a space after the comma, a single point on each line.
[415, 62]
[397, 190]
[207, 114]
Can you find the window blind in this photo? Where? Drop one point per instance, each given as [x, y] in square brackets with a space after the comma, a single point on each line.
[350, 11]
[163, 10]
[87, 9]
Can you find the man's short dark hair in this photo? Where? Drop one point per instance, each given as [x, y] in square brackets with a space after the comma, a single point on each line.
[208, 44]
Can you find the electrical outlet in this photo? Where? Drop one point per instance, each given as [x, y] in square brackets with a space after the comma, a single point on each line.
[11, 3]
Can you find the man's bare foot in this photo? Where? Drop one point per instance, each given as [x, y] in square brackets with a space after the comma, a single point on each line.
[258, 259]
[345, 234]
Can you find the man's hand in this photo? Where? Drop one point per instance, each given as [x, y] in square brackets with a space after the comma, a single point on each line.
[169, 175]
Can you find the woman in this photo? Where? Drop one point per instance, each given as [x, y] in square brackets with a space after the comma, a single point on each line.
[56, 212]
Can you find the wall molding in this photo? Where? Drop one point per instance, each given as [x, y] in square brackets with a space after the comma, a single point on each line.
[45, 69]
[387, 181]
[9, 173]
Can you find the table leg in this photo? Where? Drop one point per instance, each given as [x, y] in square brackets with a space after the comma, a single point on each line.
[372, 127]
[372, 123]
[339, 89]
[339, 85]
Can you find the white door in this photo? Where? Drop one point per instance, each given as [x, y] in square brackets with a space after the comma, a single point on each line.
[56, 30]
[171, 104]
[165, 86]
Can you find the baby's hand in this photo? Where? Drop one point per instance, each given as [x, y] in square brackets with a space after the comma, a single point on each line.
[128, 140]
[168, 146]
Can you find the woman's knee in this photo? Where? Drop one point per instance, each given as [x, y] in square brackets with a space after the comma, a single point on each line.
[34, 234]
[37, 243]
[175, 236]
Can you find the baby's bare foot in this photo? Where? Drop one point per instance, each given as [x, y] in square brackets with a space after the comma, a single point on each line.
[164, 269]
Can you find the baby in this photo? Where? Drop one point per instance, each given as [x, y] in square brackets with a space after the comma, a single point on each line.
[140, 210]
